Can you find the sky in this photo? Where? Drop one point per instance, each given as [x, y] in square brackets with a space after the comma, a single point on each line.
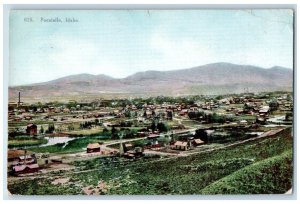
[119, 43]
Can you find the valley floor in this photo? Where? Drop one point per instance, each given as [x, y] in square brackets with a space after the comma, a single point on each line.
[243, 167]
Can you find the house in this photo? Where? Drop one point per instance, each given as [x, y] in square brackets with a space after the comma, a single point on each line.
[31, 129]
[179, 145]
[18, 118]
[12, 105]
[26, 159]
[152, 136]
[95, 147]
[128, 146]
[66, 110]
[142, 133]
[261, 120]
[183, 112]
[56, 160]
[14, 154]
[136, 152]
[23, 169]
[243, 122]
[28, 117]
[264, 110]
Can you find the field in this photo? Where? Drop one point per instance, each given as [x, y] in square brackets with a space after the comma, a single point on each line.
[24, 141]
[241, 169]
[86, 132]
[260, 171]
[76, 145]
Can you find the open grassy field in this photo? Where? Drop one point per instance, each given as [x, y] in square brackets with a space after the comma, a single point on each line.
[73, 146]
[260, 166]
[86, 132]
[27, 141]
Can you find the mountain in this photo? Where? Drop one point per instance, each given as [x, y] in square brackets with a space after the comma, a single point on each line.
[216, 78]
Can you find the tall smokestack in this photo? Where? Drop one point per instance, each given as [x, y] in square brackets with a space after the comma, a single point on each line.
[19, 97]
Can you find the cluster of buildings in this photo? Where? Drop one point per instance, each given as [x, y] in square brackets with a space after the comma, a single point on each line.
[186, 145]
[142, 115]
[22, 161]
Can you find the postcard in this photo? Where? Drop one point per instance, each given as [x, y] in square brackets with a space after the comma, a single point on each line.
[150, 102]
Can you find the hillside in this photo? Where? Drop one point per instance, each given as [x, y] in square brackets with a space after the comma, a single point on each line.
[217, 78]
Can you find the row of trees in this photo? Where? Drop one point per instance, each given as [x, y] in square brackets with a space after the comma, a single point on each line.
[124, 133]
[230, 136]
[159, 126]
[209, 117]
[51, 129]
[89, 124]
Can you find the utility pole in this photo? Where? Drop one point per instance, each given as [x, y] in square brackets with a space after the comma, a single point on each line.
[121, 144]
[19, 101]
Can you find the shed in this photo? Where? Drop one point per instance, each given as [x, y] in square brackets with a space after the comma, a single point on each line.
[94, 147]
[198, 142]
[55, 160]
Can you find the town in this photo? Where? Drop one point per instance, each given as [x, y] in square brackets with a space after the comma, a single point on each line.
[57, 140]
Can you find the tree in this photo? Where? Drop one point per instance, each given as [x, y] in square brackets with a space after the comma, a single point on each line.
[114, 132]
[153, 113]
[70, 127]
[39, 104]
[138, 143]
[288, 116]
[164, 140]
[105, 130]
[162, 127]
[170, 115]
[51, 128]
[273, 105]
[202, 134]
[153, 126]
[42, 130]
[71, 104]
[193, 115]
[127, 114]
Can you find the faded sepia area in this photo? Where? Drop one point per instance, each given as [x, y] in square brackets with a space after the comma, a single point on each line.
[150, 102]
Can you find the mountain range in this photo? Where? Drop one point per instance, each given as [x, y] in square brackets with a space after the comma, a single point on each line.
[216, 78]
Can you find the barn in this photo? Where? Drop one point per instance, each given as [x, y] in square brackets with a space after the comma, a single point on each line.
[31, 129]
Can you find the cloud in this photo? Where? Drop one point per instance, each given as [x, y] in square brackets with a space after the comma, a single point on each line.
[178, 54]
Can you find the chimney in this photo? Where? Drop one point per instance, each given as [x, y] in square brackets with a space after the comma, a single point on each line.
[19, 97]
